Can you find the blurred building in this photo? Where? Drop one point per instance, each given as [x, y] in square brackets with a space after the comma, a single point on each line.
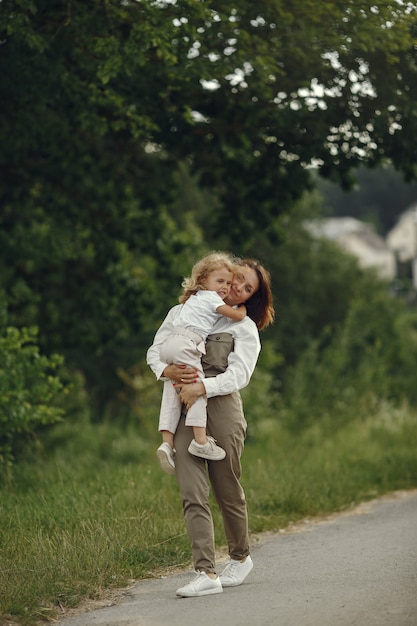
[360, 240]
[402, 240]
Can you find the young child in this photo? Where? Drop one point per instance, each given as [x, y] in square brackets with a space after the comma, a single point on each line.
[203, 304]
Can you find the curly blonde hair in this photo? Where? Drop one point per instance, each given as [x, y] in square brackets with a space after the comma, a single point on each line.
[202, 269]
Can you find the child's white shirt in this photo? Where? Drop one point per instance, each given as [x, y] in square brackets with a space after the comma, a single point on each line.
[199, 312]
[241, 361]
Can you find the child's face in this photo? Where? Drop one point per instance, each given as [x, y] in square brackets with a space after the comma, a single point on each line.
[219, 281]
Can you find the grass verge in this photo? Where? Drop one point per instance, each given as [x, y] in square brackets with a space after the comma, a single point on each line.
[98, 513]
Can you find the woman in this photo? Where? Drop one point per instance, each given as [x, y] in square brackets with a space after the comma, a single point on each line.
[231, 355]
[203, 305]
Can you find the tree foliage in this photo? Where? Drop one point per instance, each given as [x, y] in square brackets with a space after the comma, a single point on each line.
[367, 361]
[104, 101]
[29, 385]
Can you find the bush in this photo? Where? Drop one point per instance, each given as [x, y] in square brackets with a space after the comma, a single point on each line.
[369, 359]
[29, 385]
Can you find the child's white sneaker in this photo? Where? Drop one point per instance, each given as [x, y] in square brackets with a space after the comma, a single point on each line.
[209, 450]
[166, 456]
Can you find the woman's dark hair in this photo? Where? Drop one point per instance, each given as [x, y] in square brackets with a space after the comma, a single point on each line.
[259, 306]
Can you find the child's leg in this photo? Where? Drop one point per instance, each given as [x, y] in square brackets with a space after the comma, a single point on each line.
[168, 437]
[202, 446]
[205, 447]
[199, 434]
[166, 452]
[169, 415]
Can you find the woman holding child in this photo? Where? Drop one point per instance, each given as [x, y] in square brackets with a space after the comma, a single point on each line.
[232, 350]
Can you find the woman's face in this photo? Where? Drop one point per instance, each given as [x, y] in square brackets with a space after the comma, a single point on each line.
[244, 284]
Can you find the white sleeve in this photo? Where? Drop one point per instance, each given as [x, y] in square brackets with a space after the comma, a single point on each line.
[241, 361]
[153, 353]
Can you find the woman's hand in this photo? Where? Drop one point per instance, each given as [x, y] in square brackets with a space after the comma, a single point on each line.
[190, 393]
[180, 374]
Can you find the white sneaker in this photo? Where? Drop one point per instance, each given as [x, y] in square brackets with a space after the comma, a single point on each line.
[209, 450]
[235, 572]
[202, 585]
[165, 456]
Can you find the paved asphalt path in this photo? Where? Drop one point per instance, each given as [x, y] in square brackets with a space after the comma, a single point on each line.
[354, 569]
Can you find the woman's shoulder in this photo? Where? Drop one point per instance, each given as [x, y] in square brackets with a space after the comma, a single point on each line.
[175, 309]
[174, 312]
[248, 327]
[242, 329]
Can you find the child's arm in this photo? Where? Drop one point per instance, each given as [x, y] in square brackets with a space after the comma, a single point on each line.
[234, 314]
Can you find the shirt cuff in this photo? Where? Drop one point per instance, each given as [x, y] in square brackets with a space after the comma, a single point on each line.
[158, 372]
[211, 386]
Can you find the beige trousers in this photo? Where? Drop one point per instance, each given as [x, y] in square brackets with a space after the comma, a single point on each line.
[227, 424]
[182, 346]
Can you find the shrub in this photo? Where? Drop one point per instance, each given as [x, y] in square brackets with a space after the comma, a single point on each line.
[370, 358]
[29, 386]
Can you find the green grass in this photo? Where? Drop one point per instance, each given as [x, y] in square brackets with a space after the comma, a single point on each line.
[97, 512]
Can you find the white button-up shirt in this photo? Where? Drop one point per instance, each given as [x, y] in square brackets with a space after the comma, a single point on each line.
[241, 361]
